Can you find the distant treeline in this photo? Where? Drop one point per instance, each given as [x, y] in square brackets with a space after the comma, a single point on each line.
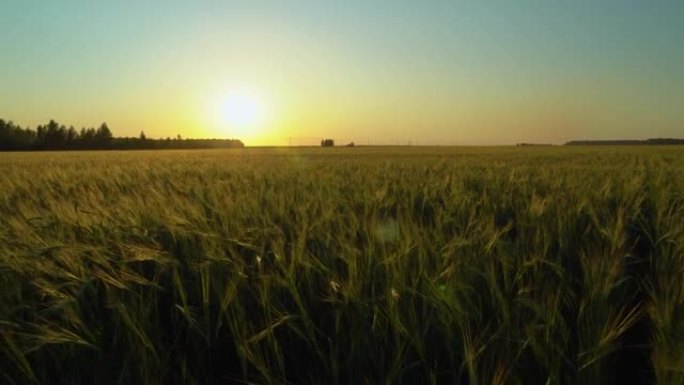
[655, 141]
[55, 136]
[534, 144]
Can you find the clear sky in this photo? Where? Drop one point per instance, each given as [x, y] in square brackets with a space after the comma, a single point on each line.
[430, 72]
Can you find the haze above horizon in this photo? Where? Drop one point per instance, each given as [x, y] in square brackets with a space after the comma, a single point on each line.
[273, 72]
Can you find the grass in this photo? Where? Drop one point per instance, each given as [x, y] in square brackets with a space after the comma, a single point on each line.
[339, 266]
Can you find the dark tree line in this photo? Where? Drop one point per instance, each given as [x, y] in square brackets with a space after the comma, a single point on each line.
[55, 136]
[653, 141]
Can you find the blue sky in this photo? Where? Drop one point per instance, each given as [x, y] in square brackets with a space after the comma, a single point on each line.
[436, 72]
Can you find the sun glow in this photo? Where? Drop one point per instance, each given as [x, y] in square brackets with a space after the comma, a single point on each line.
[242, 113]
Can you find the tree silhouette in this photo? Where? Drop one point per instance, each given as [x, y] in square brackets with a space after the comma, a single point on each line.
[54, 136]
[71, 137]
[103, 136]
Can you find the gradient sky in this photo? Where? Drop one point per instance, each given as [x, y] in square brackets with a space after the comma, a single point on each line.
[477, 72]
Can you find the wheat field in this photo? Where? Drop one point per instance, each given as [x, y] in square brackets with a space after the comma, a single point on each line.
[551, 265]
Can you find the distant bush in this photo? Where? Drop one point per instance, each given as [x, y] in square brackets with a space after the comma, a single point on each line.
[327, 143]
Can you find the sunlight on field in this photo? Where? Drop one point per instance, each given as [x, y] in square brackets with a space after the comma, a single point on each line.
[350, 266]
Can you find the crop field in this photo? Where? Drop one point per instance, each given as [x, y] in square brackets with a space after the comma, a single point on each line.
[548, 265]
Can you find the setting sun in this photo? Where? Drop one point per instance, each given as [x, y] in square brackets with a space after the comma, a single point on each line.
[242, 110]
[242, 113]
